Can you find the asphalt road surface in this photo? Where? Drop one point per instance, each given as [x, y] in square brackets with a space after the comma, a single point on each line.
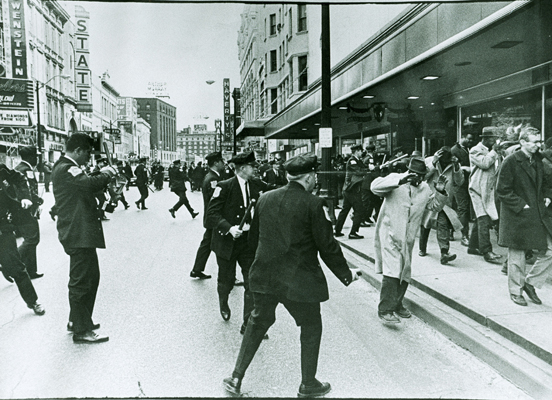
[167, 338]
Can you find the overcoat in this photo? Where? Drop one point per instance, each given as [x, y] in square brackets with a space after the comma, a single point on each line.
[290, 229]
[177, 179]
[483, 180]
[141, 173]
[78, 223]
[521, 189]
[270, 177]
[399, 221]
[21, 215]
[354, 173]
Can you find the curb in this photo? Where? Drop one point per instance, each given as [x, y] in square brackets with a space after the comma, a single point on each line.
[487, 340]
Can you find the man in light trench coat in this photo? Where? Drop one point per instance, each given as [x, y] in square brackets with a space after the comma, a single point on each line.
[406, 197]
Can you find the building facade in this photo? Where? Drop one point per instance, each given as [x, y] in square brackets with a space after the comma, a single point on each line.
[142, 139]
[195, 144]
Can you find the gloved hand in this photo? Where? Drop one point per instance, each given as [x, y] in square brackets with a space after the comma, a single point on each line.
[356, 275]
[8, 278]
[26, 203]
[109, 170]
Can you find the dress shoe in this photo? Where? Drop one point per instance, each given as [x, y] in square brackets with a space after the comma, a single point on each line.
[339, 234]
[531, 293]
[52, 215]
[519, 300]
[232, 385]
[355, 236]
[314, 389]
[446, 257]
[465, 241]
[238, 283]
[36, 275]
[37, 308]
[70, 326]
[504, 269]
[89, 337]
[364, 225]
[244, 327]
[127, 206]
[493, 258]
[389, 318]
[173, 213]
[403, 313]
[224, 310]
[474, 252]
[194, 214]
[199, 275]
[422, 253]
[137, 204]
[104, 219]
[144, 208]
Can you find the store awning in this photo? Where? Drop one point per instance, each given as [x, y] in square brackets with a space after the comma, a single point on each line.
[251, 128]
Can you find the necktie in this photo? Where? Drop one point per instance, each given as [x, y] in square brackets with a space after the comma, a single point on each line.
[246, 194]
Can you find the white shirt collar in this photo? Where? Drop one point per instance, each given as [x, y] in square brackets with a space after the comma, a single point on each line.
[242, 183]
[23, 161]
[76, 163]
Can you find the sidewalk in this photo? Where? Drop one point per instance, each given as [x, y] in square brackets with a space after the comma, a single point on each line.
[471, 286]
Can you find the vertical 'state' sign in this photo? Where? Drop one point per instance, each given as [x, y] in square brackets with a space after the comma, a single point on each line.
[82, 66]
[15, 39]
[227, 127]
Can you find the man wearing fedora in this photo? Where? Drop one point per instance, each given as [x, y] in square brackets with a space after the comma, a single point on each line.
[485, 158]
[406, 198]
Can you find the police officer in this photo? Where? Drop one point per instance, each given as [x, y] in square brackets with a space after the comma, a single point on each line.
[177, 182]
[352, 197]
[276, 174]
[216, 167]
[286, 270]
[14, 194]
[26, 220]
[141, 173]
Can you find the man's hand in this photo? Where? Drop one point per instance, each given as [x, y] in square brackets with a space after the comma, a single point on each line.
[408, 178]
[455, 163]
[356, 275]
[109, 170]
[437, 156]
[26, 203]
[235, 231]
[497, 147]
[441, 184]
[547, 202]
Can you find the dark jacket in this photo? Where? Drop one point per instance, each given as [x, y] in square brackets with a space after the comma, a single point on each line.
[520, 185]
[20, 215]
[13, 189]
[141, 173]
[177, 180]
[270, 177]
[209, 184]
[78, 223]
[463, 156]
[289, 230]
[128, 171]
[354, 173]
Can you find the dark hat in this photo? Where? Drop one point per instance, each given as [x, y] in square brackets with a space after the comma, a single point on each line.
[417, 165]
[27, 151]
[103, 159]
[301, 164]
[489, 131]
[142, 159]
[119, 163]
[245, 158]
[356, 147]
[176, 162]
[214, 156]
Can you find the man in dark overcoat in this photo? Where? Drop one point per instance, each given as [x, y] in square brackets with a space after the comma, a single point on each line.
[289, 230]
[177, 183]
[141, 173]
[525, 224]
[276, 174]
[216, 167]
[80, 232]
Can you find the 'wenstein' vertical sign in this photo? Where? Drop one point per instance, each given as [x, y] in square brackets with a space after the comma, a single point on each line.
[82, 65]
[15, 41]
[227, 127]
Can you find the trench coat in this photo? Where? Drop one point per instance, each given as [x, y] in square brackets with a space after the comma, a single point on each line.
[521, 189]
[399, 222]
[483, 178]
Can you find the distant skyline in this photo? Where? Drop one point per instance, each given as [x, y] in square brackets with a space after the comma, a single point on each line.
[184, 45]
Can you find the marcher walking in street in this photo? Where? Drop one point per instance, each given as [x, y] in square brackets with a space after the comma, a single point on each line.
[80, 232]
[142, 181]
[177, 183]
[128, 173]
[406, 197]
[286, 270]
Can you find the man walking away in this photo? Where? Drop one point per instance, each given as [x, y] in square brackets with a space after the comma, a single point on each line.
[177, 184]
[141, 173]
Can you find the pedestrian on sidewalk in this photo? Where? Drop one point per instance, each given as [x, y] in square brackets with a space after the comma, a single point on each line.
[406, 197]
[14, 193]
[121, 179]
[484, 158]
[80, 232]
[524, 193]
[128, 174]
[177, 183]
[461, 151]
[286, 270]
[47, 171]
[142, 180]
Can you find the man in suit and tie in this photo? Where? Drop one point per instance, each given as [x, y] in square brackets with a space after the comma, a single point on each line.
[276, 174]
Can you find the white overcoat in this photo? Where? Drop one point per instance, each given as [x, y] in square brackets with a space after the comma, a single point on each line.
[484, 172]
[399, 221]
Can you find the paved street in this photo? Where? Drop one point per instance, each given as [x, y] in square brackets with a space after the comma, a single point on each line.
[167, 338]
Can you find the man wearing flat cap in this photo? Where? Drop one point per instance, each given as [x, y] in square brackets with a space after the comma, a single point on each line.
[405, 199]
[485, 158]
[26, 220]
[216, 168]
[289, 231]
[227, 217]
[352, 196]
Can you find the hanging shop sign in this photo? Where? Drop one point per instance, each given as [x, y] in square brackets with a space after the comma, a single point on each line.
[82, 64]
[227, 117]
[15, 118]
[15, 41]
[16, 93]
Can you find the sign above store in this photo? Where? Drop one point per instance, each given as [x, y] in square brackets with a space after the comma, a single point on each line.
[16, 93]
[14, 118]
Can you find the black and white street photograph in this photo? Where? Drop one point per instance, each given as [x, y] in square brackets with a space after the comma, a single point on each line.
[317, 199]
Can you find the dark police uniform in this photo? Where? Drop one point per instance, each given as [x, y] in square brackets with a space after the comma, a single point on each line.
[278, 179]
[177, 183]
[142, 182]
[13, 188]
[27, 221]
[80, 232]
[289, 230]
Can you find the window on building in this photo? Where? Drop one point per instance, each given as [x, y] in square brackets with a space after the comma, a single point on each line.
[281, 55]
[290, 28]
[301, 18]
[147, 106]
[273, 61]
[265, 29]
[272, 24]
[274, 101]
[148, 116]
[302, 63]
[291, 82]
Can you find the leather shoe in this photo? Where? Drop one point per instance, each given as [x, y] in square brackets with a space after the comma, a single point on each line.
[504, 269]
[446, 257]
[232, 385]
[137, 204]
[52, 215]
[315, 389]
[199, 275]
[519, 300]
[194, 214]
[70, 326]
[244, 327]
[37, 308]
[36, 276]
[422, 253]
[465, 241]
[531, 293]
[144, 208]
[364, 225]
[339, 234]
[403, 313]
[173, 214]
[474, 252]
[355, 236]
[493, 258]
[89, 337]
[224, 310]
[389, 318]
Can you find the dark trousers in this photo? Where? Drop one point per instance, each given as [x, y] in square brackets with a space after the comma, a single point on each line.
[227, 274]
[182, 201]
[159, 181]
[84, 278]
[143, 189]
[306, 315]
[14, 267]
[30, 232]
[47, 180]
[443, 233]
[351, 199]
[480, 237]
[122, 199]
[463, 200]
[203, 251]
[391, 295]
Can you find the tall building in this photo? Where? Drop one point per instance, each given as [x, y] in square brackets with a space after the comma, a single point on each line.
[162, 118]
[195, 144]
[127, 116]
[105, 99]
[142, 139]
